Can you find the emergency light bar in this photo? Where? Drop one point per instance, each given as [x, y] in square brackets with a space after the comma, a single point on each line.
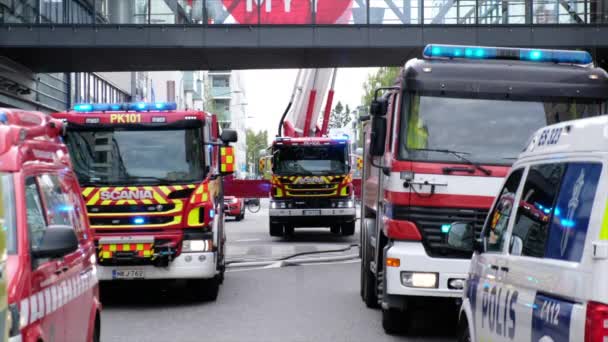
[432, 51]
[115, 107]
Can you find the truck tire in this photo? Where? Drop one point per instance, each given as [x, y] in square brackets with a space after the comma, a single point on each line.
[370, 285]
[204, 289]
[276, 229]
[394, 321]
[464, 335]
[335, 229]
[289, 230]
[348, 228]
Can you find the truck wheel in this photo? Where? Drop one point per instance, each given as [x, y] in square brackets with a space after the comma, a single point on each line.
[370, 285]
[335, 229]
[276, 229]
[464, 335]
[289, 230]
[204, 289]
[348, 228]
[394, 321]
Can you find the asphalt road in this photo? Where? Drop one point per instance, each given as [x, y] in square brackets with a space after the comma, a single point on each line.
[318, 302]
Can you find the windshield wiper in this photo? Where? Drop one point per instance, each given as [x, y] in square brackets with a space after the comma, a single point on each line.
[459, 156]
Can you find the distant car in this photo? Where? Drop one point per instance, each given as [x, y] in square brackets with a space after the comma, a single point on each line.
[234, 207]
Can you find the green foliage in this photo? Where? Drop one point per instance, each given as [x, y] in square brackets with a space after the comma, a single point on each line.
[340, 116]
[255, 142]
[384, 77]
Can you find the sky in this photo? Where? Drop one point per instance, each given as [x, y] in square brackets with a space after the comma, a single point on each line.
[268, 93]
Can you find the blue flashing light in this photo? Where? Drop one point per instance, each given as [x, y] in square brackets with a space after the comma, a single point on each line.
[211, 213]
[532, 55]
[115, 107]
[65, 208]
[567, 223]
[138, 220]
[557, 211]
[445, 228]
[83, 107]
[547, 211]
[3, 118]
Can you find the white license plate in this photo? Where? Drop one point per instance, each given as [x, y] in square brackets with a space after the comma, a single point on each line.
[127, 274]
[312, 212]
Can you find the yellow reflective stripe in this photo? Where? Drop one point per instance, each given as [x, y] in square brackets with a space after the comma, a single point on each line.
[126, 247]
[132, 202]
[604, 230]
[140, 246]
[223, 167]
[119, 202]
[118, 188]
[146, 201]
[95, 197]
[106, 254]
[87, 191]
[164, 189]
[106, 202]
[178, 187]
[113, 248]
[159, 198]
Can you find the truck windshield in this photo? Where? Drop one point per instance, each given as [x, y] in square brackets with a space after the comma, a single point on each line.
[311, 160]
[489, 131]
[124, 156]
[7, 212]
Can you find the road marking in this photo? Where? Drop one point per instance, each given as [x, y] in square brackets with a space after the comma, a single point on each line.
[247, 240]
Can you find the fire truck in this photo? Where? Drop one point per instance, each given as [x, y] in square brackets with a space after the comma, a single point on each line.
[152, 180]
[438, 146]
[311, 185]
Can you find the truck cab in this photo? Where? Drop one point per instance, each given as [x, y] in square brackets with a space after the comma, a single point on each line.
[152, 181]
[53, 291]
[311, 185]
[440, 142]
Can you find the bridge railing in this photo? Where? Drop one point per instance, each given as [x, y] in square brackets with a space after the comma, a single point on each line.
[305, 12]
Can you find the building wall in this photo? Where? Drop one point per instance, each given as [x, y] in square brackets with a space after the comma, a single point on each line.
[230, 98]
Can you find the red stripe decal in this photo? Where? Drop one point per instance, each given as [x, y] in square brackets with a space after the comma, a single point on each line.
[439, 200]
[437, 168]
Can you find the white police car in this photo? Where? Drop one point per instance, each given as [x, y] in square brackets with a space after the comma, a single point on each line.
[540, 268]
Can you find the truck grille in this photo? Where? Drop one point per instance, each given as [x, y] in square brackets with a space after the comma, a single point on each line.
[150, 208]
[429, 221]
[125, 221]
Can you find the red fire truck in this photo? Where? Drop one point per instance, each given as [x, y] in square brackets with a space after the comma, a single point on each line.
[53, 293]
[152, 181]
[440, 142]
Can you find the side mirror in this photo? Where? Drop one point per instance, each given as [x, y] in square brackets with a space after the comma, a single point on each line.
[461, 236]
[378, 136]
[229, 136]
[516, 246]
[56, 242]
[378, 107]
[226, 159]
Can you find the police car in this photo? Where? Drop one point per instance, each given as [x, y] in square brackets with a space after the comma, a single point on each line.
[539, 272]
[53, 292]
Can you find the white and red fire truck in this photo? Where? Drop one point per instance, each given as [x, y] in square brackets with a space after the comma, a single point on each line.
[440, 142]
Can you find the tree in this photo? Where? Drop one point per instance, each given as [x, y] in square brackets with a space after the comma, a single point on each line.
[384, 77]
[340, 116]
[255, 142]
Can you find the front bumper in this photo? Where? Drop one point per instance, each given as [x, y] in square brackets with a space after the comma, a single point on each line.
[413, 258]
[181, 267]
[312, 217]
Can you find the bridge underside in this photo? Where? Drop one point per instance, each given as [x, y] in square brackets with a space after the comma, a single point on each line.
[73, 48]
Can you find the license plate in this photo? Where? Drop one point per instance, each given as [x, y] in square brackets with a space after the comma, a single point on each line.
[312, 212]
[127, 274]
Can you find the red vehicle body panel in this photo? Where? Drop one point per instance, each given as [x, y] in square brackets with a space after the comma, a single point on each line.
[59, 298]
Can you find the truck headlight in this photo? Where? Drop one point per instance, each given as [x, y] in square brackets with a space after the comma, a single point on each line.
[278, 205]
[196, 246]
[419, 279]
[346, 204]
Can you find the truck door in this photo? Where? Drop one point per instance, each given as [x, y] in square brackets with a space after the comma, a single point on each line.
[490, 299]
[63, 208]
[42, 303]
